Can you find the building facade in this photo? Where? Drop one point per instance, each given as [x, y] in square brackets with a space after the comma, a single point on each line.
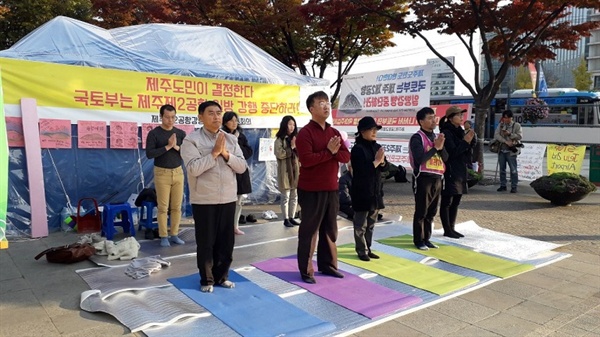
[442, 78]
[558, 72]
[594, 53]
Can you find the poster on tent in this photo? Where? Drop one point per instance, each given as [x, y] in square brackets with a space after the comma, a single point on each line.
[266, 148]
[88, 93]
[14, 132]
[91, 135]
[123, 135]
[55, 133]
[392, 96]
[3, 170]
[565, 158]
[146, 128]
[531, 161]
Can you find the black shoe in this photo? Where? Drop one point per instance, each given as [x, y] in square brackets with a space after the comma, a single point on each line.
[287, 223]
[379, 217]
[242, 219]
[459, 235]
[251, 218]
[430, 245]
[294, 222]
[373, 255]
[501, 189]
[513, 190]
[364, 257]
[309, 279]
[452, 235]
[333, 273]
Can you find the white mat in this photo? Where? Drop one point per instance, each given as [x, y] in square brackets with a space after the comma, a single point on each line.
[497, 243]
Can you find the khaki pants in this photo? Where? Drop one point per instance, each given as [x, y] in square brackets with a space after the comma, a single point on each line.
[169, 196]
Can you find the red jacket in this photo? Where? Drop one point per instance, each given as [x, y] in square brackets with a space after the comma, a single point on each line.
[318, 167]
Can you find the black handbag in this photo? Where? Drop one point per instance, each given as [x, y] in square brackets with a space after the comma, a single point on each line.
[72, 253]
[495, 146]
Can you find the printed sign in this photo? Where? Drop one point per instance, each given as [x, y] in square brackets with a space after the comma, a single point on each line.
[398, 125]
[396, 151]
[531, 161]
[266, 149]
[390, 96]
[565, 158]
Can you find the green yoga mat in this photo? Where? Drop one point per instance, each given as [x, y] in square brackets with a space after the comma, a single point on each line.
[418, 275]
[462, 257]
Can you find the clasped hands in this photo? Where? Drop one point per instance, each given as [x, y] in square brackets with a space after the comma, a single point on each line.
[173, 143]
[219, 149]
[334, 144]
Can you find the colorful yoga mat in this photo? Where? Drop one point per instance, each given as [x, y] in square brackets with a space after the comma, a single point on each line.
[352, 292]
[251, 310]
[418, 275]
[462, 257]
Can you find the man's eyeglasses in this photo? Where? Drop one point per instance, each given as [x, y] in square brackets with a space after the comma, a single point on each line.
[325, 104]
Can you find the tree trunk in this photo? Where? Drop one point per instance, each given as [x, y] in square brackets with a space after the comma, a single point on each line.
[481, 114]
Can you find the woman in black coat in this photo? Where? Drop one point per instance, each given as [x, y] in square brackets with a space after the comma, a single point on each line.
[367, 158]
[244, 185]
[458, 146]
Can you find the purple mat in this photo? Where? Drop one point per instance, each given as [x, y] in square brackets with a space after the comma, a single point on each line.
[352, 292]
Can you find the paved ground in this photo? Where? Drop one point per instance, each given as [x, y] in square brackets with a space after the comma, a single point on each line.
[562, 299]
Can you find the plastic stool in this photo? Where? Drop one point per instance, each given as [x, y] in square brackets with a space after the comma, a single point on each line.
[146, 216]
[108, 219]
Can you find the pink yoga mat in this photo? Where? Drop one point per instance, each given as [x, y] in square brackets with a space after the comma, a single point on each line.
[352, 292]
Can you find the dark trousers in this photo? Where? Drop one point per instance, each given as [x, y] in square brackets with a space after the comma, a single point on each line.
[427, 189]
[214, 241]
[318, 217]
[364, 224]
[449, 211]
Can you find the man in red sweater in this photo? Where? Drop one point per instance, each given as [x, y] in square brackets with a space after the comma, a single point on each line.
[320, 150]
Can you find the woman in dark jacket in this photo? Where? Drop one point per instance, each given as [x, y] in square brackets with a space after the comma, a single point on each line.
[455, 177]
[244, 185]
[367, 158]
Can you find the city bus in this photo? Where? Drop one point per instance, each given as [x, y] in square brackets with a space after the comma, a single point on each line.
[574, 116]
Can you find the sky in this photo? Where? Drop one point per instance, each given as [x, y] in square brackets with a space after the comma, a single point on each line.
[411, 52]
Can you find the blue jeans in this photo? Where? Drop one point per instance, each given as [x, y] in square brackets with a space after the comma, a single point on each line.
[503, 158]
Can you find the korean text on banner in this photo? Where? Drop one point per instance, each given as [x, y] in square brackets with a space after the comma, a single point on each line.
[117, 95]
[390, 93]
[565, 158]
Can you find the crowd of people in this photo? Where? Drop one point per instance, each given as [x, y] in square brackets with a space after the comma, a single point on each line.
[308, 161]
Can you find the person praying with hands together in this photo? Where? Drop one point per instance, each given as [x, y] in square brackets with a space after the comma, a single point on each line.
[427, 156]
[212, 159]
[368, 159]
[320, 150]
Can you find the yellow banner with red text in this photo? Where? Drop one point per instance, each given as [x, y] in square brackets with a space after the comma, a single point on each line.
[87, 93]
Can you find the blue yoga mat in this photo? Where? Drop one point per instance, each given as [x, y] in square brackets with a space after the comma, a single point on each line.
[251, 310]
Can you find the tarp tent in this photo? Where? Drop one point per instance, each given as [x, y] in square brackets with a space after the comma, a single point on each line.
[188, 50]
[112, 175]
